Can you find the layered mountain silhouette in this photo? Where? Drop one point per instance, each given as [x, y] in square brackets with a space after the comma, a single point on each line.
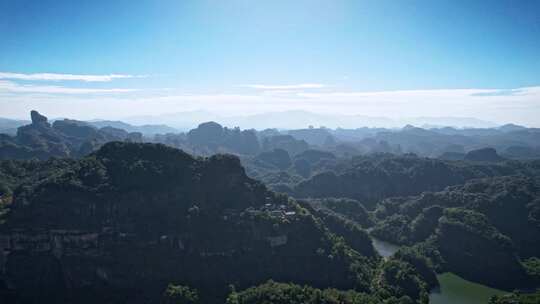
[64, 138]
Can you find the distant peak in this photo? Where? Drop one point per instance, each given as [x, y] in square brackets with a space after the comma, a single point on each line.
[511, 127]
[484, 154]
[38, 119]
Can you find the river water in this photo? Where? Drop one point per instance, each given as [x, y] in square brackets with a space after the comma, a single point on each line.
[453, 289]
[384, 249]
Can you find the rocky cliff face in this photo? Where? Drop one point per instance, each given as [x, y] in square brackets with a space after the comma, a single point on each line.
[39, 120]
[211, 137]
[120, 224]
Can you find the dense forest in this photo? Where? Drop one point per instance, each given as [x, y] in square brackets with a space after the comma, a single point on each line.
[92, 214]
[133, 215]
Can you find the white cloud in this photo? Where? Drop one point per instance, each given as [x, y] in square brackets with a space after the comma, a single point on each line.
[519, 105]
[300, 86]
[65, 77]
[12, 87]
[400, 93]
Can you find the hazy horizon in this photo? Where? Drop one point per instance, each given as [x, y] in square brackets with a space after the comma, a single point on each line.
[294, 119]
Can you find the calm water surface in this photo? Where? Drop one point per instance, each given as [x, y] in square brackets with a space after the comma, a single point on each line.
[385, 249]
[453, 289]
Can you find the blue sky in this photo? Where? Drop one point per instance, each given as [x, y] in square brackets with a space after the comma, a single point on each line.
[385, 58]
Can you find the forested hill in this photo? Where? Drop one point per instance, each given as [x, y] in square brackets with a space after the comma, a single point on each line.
[486, 230]
[119, 225]
[375, 177]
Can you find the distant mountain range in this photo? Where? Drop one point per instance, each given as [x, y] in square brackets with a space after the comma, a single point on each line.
[303, 119]
[144, 129]
[184, 121]
[9, 126]
[207, 138]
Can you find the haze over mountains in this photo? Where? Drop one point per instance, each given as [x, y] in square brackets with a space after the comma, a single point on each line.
[184, 121]
[70, 136]
[301, 119]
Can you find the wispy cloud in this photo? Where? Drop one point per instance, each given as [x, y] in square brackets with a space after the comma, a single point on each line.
[12, 87]
[66, 77]
[301, 86]
[434, 93]
[522, 106]
[510, 92]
